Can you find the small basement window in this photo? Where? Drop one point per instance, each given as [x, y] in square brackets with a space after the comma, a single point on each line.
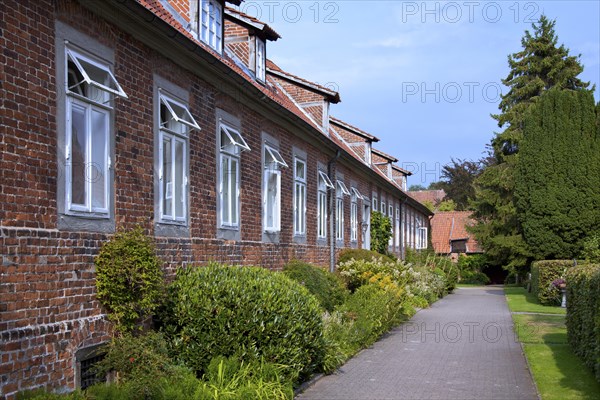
[87, 360]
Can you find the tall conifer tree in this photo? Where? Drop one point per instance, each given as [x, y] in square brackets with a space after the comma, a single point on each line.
[540, 65]
[557, 181]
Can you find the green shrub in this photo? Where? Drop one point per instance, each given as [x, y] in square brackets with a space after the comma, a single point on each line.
[381, 232]
[470, 268]
[591, 249]
[360, 321]
[361, 254]
[139, 361]
[325, 286]
[129, 280]
[583, 314]
[247, 312]
[542, 275]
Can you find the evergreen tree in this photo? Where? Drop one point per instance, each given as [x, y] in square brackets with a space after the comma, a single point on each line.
[538, 67]
[557, 181]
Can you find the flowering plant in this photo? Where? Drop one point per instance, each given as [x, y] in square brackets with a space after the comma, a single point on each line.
[559, 283]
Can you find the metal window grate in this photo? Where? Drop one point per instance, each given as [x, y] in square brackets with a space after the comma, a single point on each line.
[88, 374]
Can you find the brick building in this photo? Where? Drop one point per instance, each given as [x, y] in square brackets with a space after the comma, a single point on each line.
[168, 115]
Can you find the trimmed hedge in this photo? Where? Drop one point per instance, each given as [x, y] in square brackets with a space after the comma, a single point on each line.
[542, 275]
[583, 314]
[328, 288]
[246, 312]
[361, 255]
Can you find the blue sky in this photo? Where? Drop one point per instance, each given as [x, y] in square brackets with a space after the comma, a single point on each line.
[424, 77]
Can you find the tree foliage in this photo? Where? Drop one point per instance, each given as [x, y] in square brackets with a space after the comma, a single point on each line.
[381, 232]
[540, 66]
[457, 181]
[557, 191]
[129, 280]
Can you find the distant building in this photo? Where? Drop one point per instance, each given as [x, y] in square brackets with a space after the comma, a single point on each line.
[433, 197]
[449, 234]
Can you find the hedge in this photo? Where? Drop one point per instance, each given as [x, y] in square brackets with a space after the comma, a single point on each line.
[246, 312]
[542, 275]
[328, 288]
[583, 314]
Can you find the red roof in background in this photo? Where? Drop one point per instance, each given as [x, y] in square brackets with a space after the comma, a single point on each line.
[451, 225]
[432, 196]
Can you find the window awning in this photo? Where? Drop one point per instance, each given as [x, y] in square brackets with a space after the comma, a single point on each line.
[275, 156]
[96, 74]
[343, 188]
[357, 194]
[234, 137]
[326, 180]
[179, 112]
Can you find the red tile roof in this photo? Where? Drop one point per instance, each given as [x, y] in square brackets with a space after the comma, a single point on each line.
[451, 225]
[253, 22]
[353, 129]
[430, 196]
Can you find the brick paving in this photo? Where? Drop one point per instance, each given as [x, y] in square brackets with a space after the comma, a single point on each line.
[463, 347]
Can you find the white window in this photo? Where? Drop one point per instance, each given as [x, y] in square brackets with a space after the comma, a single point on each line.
[272, 189]
[211, 24]
[175, 124]
[383, 207]
[421, 234]
[354, 215]
[90, 88]
[260, 59]
[323, 185]
[375, 203]
[231, 145]
[299, 197]
[397, 238]
[391, 217]
[340, 192]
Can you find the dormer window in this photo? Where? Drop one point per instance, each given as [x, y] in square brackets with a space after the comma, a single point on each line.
[260, 55]
[211, 24]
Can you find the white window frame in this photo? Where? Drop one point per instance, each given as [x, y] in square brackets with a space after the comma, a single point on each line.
[383, 208]
[77, 58]
[299, 198]
[188, 123]
[210, 23]
[397, 238]
[354, 215]
[89, 104]
[323, 183]
[391, 210]
[342, 188]
[272, 169]
[339, 216]
[356, 193]
[260, 62]
[421, 238]
[375, 207]
[231, 154]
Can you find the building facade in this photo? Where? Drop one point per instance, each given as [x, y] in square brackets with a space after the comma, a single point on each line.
[167, 115]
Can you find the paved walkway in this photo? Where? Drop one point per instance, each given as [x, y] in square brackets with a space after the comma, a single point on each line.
[463, 347]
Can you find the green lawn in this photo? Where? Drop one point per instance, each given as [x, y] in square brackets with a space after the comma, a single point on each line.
[558, 373]
[519, 300]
